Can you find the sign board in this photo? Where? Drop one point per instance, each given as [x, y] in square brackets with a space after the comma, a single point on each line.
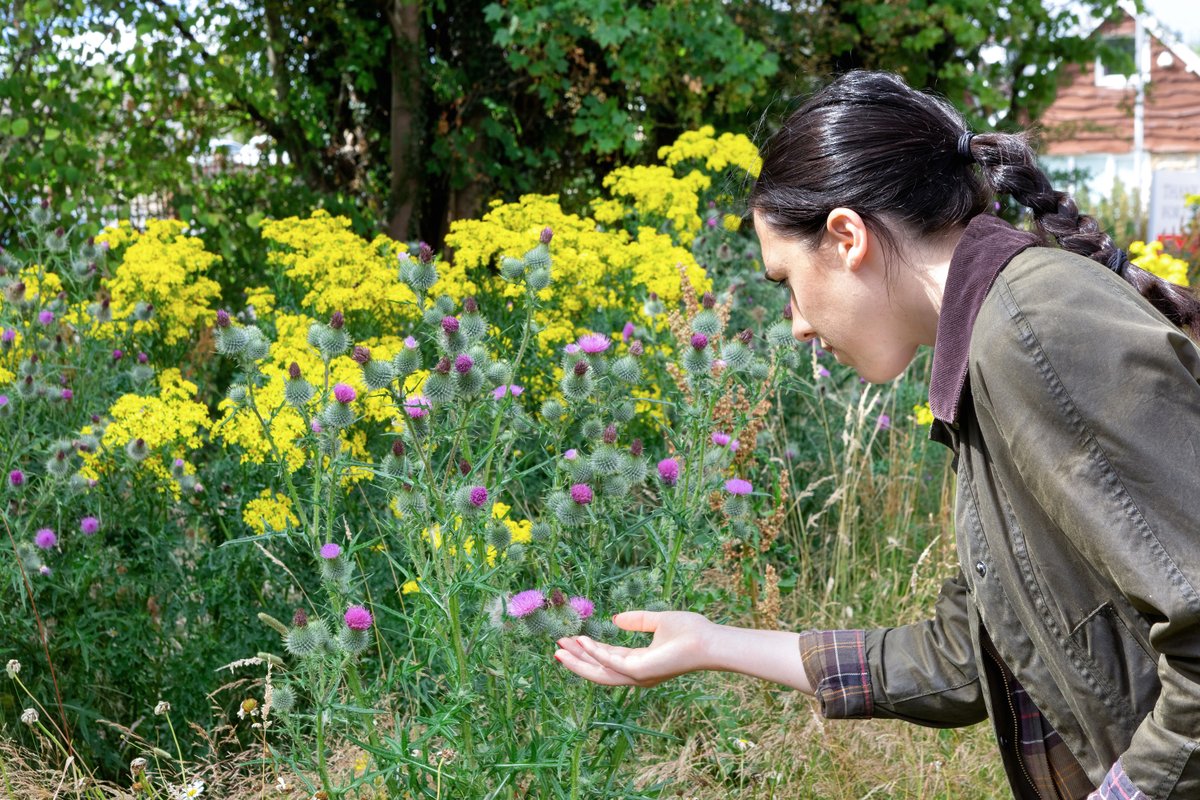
[1168, 211]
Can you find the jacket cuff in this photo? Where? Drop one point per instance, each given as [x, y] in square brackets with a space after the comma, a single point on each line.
[1117, 786]
[836, 665]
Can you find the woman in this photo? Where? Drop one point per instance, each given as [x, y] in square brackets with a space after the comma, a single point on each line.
[1066, 384]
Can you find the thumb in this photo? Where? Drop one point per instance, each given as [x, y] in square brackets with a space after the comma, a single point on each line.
[645, 621]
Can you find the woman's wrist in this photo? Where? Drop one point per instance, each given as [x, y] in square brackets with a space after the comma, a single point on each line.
[766, 654]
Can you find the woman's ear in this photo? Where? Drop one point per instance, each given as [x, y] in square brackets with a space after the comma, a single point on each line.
[848, 233]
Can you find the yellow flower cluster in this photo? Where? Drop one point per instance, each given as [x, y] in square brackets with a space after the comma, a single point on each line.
[269, 511]
[166, 269]
[286, 426]
[717, 152]
[592, 268]
[1151, 258]
[658, 194]
[339, 271]
[519, 530]
[172, 420]
[923, 414]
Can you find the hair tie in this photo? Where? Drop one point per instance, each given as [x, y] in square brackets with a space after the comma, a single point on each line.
[1116, 261]
[964, 147]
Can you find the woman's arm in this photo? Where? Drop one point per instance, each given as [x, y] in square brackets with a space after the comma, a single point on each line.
[685, 642]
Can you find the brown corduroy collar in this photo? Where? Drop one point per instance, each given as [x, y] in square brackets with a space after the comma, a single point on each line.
[986, 247]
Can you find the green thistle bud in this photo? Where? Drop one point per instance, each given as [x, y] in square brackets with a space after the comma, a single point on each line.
[570, 620]
[231, 341]
[337, 415]
[511, 269]
[592, 429]
[237, 395]
[624, 411]
[581, 470]
[431, 316]
[759, 369]
[410, 501]
[473, 326]
[499, 373]
[658, 605]
[297, 392]
[697, 362]
[620, 597]
[605, 460]
[735, 506]
[335, 570]
[439, 388]
[304, 641]
[353, 641]
[552, 410]
[575, 387]
[141, 373]
[791, 358]
[421, 277]
[780, 334]
[736, 355]
[538, 279]
[59, 464]
[378, 374]
[569, 513]
[332, 342]
[515, 553]
[498, 535]
[406, 362]
[143, 311]
[257, 345]
[626, 369]
[634, 469]
[394, 465]
[556, 628]
[314, 335]
[600, 629]
[706, 322]
[469, 383]
[615, 485]
[283, 699]
[538, 257]
[538, 623]
[540, 532]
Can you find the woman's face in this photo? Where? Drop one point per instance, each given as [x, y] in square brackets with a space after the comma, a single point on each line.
[841, 296]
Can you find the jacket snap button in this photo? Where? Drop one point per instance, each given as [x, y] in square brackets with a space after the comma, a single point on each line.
[981, 568]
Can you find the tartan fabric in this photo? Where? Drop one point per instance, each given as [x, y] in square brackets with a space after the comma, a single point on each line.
[836, 666]
[1117, 786]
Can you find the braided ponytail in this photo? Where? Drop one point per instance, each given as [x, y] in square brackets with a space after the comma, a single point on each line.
[1009, 167]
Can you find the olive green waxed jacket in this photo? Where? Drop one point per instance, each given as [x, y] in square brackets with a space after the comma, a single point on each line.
[1077, 448]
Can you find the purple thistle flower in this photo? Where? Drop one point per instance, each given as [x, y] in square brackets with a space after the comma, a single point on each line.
[471, 305]
[337, 320]
[479, 496]
[410, 343]
[443, 366]
[89, 525]
[787, 311]
[593, 343]
[668, 471]
[294, 371]
[117, 355]
[16, 478]
[358, 618]
[507, 388]
[9, 336]
[3, 400]
[822, 372]
[45, 317]
[636, 348]
[44, 570]
[884, 423]
[583, 607]
[571, 349]
[425, 253]
[66, 394]
[222, 318]
[610, 434]
[546, 235]
[450, 324]
[738, 486]
[636, 447]
[142, 358]
[416, 406]
[699, 341]
[720, 438]
[707, 300]
[45, 538]
[344, 393]
[316, 426]
[734, 445]
[525, 603]
[581, 368]
[627, 332]
[571, 454]
[581, 493]
[360, 355]
[463, 363]
[330, 550]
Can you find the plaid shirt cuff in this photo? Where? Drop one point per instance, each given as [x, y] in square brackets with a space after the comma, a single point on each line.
[836, 665]
[1117, 786]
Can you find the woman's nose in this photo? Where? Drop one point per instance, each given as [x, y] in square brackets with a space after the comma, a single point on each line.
[801, 330]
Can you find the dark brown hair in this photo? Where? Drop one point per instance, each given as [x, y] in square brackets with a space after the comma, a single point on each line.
[898, 157]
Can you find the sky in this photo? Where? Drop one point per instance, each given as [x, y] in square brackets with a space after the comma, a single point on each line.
[1180, 16]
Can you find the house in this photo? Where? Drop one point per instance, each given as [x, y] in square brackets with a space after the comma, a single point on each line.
[1133, 116]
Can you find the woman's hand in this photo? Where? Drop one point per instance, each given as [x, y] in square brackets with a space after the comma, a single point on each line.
[680, 645]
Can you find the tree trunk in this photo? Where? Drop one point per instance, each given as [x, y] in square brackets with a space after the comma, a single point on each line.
[404, 17]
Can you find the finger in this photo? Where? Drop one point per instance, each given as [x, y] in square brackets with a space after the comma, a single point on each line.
[572, 646]
[645, 621]
[611, 651]
[624, 660]
[593, 672]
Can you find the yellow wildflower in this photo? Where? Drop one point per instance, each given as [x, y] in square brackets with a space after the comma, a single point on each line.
[729, 149]
[411, 587]
[923, 413]
[270, 511]
[1150, 257]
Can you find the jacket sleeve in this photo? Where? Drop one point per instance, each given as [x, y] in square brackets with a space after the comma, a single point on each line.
[1097, 399]
[923, 673]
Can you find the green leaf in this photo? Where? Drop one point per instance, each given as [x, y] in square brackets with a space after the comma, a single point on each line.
[51, 134]
[20, 126]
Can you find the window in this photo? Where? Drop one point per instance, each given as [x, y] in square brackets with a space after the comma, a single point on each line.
[1116, 62]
